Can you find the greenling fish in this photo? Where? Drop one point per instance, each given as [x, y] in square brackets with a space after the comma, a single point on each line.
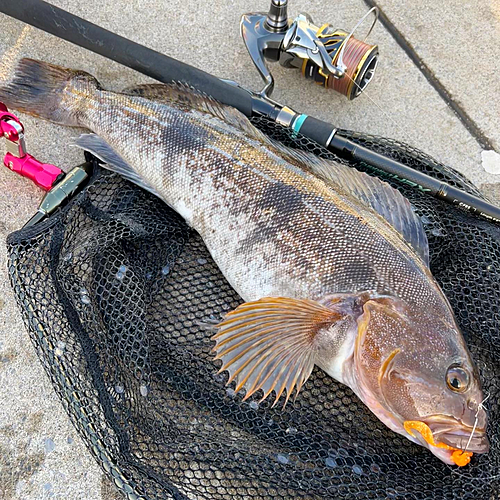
[332, 263]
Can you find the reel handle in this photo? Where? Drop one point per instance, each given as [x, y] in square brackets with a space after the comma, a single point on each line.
[261, 44]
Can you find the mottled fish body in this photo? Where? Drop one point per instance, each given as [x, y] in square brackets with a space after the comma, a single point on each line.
[332, 263]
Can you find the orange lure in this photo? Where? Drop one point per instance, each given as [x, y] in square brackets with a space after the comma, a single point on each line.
[459, 457]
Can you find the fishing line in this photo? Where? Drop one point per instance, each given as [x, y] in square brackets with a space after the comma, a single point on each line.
[384, 113]
[479, 407]
[353, 51]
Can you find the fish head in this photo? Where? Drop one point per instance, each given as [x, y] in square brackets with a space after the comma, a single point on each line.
[414, 371]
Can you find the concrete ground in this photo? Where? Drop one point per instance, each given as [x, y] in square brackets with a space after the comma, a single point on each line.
[458, 41]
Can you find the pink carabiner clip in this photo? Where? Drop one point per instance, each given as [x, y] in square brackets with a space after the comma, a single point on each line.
[18, 160]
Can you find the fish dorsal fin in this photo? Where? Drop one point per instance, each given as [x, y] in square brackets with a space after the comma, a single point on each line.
[371, 191]
[271, 343]
[189, 99]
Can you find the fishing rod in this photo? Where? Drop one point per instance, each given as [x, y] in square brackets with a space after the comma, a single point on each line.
[330, 57]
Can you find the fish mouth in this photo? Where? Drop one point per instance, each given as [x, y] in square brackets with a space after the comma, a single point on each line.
[454, 433]
[459, 438]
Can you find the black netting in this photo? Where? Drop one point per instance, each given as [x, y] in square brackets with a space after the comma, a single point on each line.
[115, 290]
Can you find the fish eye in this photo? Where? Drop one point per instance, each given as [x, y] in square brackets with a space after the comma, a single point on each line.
[457, 378]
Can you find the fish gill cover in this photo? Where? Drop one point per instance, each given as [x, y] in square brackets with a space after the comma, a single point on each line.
[116, 292]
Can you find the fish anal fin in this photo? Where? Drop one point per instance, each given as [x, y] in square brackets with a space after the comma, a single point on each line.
[113, 161]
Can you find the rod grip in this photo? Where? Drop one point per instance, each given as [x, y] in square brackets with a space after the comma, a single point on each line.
[346, 148]
[315, 129]
[469, 202]
[385, 166]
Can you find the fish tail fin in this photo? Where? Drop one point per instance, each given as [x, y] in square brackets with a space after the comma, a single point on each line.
[49, 92]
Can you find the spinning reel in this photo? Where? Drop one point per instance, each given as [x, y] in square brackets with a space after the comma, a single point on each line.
[331, 57]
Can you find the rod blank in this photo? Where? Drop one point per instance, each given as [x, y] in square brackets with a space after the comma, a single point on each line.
[147, 61]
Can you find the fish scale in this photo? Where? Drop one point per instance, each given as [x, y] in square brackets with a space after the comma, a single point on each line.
[332, 263]
[275, 222]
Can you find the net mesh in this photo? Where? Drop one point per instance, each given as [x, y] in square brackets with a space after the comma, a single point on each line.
[116, 292]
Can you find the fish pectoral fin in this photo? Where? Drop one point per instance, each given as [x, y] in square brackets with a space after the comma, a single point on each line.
[113, 161]
[271, 344]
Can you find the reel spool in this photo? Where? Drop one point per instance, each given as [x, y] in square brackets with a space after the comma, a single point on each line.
[331, 57]
[360, 61]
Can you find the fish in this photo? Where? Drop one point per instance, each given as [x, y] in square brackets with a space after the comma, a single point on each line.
[331, 263]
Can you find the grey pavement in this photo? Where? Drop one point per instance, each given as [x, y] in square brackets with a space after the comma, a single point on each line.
[466, 63]
[41, 456]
